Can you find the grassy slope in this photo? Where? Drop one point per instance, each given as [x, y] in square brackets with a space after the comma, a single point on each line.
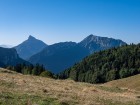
[132, 82]
[18, 89]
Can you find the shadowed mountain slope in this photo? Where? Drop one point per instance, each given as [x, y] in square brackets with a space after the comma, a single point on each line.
[9, 56]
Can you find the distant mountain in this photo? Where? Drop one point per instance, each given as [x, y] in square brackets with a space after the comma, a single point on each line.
[61, 56]
[30, 47]
[6, 46]
[9, 56]
[96, 43]
[107, 65]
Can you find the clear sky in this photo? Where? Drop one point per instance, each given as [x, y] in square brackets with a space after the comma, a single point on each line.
[68, 20]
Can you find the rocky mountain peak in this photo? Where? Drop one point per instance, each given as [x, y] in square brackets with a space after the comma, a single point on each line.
[91, 38]
[31, 37]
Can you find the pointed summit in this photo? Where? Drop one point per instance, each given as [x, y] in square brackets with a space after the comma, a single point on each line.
[91, 35]
[31, 37]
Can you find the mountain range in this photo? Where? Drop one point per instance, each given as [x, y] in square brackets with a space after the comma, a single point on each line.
[60, 56]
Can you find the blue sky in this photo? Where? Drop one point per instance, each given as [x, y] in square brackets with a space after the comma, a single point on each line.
[68, 20]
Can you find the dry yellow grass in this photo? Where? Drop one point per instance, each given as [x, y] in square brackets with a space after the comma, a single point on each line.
[67, 92]
[132, 82]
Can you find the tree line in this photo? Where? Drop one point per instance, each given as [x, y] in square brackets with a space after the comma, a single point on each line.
[38, 70]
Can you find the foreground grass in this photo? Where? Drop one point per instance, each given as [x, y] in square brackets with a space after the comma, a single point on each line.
[25, 99]
[18, 89]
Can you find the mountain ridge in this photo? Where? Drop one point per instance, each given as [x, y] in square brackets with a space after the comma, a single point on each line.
[96, 43]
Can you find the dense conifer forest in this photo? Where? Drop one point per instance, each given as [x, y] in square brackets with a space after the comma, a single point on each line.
[107, 65]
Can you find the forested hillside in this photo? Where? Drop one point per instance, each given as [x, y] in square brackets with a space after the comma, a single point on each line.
[106, 65]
